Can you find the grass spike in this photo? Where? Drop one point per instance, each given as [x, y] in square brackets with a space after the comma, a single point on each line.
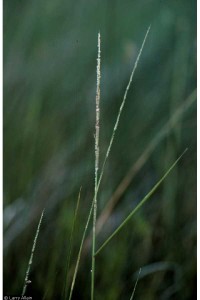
[96, 162]
[27, 281]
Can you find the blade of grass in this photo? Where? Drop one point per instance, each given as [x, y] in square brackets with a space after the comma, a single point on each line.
[27, 281]
[71, 244]
[134, 289]
[140, 204]
[96, 163]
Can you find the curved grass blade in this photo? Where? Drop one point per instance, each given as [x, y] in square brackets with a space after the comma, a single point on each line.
[134, 289]
[142, 202]
[27, 281]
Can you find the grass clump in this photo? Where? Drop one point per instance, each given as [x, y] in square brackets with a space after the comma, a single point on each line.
[47, 154]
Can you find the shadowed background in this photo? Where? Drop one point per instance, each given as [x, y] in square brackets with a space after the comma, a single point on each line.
[50, 50]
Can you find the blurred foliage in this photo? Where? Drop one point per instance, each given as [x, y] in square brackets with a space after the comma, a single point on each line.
[50, 50]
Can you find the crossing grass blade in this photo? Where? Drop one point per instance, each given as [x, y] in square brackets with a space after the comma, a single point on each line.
[142, 202]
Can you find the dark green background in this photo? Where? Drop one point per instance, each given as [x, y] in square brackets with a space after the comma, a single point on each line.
[50, 50]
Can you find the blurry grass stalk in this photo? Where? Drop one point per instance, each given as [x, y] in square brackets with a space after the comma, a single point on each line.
[142, 202]
[134, 289]
[96, 163]
[27, 281]
[105, 160]
[71, 244]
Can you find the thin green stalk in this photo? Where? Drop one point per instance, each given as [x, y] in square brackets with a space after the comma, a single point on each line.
[71, 244]
[27, 281]
[140, 204]
[96, 163]
[134, 289]
[80, 251]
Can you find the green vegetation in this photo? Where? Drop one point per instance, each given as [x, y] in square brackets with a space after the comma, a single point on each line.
[49, 118]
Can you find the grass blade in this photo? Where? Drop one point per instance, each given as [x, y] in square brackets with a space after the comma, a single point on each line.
[140, 204]
[27, 281]
[71, 244]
